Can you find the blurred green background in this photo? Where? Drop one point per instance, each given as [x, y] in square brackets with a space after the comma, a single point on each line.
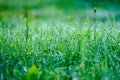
[64, 4]
[61, 9]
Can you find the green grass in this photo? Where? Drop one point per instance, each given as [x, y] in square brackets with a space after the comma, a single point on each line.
[59, 45]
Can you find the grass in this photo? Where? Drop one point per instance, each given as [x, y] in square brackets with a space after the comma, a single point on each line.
[60, 48]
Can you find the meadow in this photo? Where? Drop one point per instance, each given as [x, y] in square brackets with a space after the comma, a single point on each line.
[50, 40]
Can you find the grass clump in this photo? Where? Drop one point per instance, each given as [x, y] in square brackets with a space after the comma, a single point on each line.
[60, 53]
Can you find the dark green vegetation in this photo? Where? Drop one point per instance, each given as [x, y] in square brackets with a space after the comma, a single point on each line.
[59, 40]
